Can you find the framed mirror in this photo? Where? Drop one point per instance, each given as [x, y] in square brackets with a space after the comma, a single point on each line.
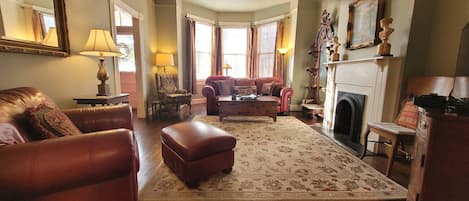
[34, 27]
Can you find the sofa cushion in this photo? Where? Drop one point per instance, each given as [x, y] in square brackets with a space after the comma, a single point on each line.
[9, 135]
[50, 122]
[245, 90]
[244, 82]
[224, 87]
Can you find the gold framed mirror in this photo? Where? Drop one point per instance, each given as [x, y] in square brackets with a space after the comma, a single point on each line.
[34, 27]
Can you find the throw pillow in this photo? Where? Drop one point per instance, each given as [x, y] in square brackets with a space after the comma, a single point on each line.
[266, 89]
[244, 90]
[408, 115]
[224, 87]
[50, 122]
[9, 135]
[276, 89]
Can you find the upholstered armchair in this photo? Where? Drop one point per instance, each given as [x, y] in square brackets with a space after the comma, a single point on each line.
[169, 94]
[101, 163]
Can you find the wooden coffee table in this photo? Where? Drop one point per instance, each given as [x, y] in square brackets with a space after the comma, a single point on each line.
[261, 106]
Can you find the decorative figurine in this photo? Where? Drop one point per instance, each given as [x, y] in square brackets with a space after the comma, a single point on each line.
[384, 48]
[335, 49]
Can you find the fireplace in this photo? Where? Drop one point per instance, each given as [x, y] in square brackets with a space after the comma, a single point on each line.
[348, 119]
[378, 79]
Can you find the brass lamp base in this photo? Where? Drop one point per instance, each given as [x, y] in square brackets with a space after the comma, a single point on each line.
[103, 90]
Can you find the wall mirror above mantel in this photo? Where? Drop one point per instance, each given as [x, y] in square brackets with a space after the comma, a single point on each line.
[34, 27]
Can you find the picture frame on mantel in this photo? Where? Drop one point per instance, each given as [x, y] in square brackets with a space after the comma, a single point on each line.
[363, 23]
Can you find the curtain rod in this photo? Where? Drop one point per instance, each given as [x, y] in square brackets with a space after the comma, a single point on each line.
[222, 23]
[191, 16]
[272, 19]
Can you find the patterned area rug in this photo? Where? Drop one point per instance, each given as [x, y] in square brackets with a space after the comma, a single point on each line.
[286, 160]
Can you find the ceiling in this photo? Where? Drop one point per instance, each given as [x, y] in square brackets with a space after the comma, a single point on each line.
[237, 5]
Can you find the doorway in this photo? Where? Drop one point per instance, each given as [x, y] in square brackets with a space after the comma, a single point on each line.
[126, 23]
[126, 63]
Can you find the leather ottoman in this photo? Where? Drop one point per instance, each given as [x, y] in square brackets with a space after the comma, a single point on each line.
[195, 150]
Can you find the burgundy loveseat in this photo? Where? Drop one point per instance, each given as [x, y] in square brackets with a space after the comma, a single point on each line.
[282, 93]
[99, 165]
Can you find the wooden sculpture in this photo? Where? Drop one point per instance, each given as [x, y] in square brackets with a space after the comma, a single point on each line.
[384, 48]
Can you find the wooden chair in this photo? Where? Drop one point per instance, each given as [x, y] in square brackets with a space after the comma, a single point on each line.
[404, 126]
[169, 94]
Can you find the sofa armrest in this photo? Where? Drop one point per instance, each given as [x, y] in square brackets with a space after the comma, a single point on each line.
[286, 92]
[94, 119]
[208, 91]
[58, 164]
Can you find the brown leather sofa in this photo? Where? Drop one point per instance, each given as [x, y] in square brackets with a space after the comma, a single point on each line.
[99, 165]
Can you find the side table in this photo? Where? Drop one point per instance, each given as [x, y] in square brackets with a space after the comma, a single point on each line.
[102, 100]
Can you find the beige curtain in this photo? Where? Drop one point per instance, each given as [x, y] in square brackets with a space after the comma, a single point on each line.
[252, 60]
[217, 66]
[279, 61]
[37, 26]
[191, 56]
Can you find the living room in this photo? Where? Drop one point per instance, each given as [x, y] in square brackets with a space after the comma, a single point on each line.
[428, 40]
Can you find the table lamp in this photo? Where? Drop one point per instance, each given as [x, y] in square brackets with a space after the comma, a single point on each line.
[101, 44]
[226, 67]
[164, 59]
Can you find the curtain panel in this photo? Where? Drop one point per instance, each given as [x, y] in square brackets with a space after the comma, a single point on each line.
[279, 69]
[191, 56]
[252, 60]
[217, 56]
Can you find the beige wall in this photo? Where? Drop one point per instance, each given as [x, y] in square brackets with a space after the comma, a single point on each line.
[307, 23]
[399, 10]
[63, 78]
[447, 24]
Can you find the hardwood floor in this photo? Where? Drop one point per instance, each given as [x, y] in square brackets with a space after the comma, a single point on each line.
[148, 132]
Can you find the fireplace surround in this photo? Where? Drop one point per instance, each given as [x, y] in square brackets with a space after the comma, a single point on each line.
[378, 79]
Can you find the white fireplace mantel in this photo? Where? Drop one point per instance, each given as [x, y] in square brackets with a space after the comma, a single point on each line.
[378, 78]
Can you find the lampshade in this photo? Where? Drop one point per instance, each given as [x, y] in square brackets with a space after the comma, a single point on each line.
[282, 50]
[226, 66]
[100, 43]
[51, 38]
[164, 59]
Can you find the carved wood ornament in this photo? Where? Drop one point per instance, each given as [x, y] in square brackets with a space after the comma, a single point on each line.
[325, 34]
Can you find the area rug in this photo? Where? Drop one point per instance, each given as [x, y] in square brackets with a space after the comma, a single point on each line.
[283, 160]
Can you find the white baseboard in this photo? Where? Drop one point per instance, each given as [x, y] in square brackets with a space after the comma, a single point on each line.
[198, 101]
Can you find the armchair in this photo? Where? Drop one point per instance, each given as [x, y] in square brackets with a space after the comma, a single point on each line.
[169, 94]
[99, 165]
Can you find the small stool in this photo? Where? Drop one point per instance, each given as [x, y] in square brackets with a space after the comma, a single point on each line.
[195, 150]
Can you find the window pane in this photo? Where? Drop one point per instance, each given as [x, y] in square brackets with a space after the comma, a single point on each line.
[203, 48]
[203, 65]
[203, 37]
[125, 43]
[234, 40]
[267, 35]
[234, 44]
[266, 65]
[238, 64]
